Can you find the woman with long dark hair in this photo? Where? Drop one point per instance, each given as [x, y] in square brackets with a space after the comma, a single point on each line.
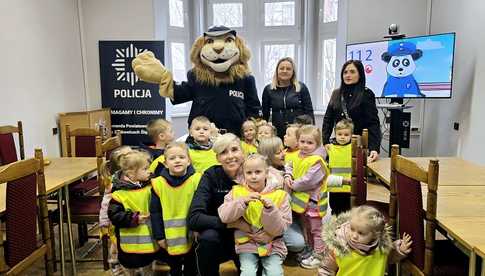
[356, 102]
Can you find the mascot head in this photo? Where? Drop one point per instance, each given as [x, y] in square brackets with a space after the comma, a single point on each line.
[400, 59]
[220, 56]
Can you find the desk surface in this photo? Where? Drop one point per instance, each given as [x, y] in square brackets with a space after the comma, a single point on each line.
[459, 229]
[60, 172]
[454, 171]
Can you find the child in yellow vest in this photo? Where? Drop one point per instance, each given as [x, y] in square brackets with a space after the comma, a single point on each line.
[359, 244]
[108, 170]
[291, 143]
[340, 164]
[306, 177]
[161, 133]
[200, 146]
[268, 213]
[129, 213]
[172, 194]
[248, 141]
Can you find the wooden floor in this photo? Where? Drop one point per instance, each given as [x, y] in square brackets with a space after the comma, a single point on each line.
[375, 192]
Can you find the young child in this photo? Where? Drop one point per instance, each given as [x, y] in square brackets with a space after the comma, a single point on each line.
[162, 134]
[306, 177]
[359, 243]
[272, 150]
[129, 212]
[172, 194]
[200, 146]
[340, 164]
[304, 119]
[265, 130]
[108, 169]
[291, 143]
[268, 212]
[248, 143]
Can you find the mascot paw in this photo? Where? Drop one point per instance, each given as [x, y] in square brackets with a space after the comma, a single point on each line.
[151, 70]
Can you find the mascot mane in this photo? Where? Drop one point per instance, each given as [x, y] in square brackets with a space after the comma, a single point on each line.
[207, 76]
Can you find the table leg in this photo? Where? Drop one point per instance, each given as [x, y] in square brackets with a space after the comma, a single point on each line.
[61, 231]
[472, 263]
[69, 230]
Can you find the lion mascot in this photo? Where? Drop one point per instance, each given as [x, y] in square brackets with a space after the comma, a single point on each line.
[219, 85]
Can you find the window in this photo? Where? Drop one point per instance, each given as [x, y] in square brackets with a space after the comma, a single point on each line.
[273, 53]
[279, 14]
[328, 62]
[177, 51]
[176, 14]
[330, 11]
[228, 14]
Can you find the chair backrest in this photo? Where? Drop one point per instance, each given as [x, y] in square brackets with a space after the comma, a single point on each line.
[83, 140]
[103, 152]
[8, 153]
[25, 189]
[358, 190]
[407, 176]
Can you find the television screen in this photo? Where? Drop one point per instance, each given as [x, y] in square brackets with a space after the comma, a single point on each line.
[412, 67]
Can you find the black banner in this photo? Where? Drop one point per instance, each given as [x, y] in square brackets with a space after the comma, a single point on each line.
[133, 102]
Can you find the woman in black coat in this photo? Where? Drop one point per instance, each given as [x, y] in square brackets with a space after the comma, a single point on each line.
[354, 101]
[286, 97]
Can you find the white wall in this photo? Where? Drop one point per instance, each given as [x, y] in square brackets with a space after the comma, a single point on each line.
[41, 68]
[111, 20]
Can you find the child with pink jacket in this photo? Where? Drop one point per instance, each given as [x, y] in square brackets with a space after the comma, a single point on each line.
[267, 212]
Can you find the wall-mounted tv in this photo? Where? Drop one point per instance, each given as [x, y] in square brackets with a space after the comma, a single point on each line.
[411, 67]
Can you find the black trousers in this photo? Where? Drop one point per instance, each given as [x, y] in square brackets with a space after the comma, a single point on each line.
[213, 248]
[340, 202]
[181, 264]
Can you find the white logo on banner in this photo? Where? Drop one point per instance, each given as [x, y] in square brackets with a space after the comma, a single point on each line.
[122, 55]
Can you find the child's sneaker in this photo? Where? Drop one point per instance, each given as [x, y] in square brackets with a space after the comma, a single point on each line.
[304, 254]
[117, 269]
[311, 263]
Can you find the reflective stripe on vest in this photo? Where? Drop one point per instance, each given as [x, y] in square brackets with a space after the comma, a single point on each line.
[299, 200]
[253, 214]
[340, 163]
[202, 159]
[354, 264]
[175, 202]
[136, 239]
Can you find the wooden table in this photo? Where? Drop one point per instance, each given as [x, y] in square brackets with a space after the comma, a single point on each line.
[454, 171]
[59, 174]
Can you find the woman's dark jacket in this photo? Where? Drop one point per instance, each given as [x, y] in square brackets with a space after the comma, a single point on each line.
[285, 104]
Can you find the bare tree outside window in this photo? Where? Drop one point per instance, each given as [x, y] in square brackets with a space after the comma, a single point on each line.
[273, 53]
[176, 13]
[279, 13]
[329, 60]
[228, 14]
[330, 11]
[178, 61]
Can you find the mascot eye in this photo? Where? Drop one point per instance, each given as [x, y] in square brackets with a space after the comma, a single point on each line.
[209, 41]
[229, 39]
[396, 63]
[405, 62]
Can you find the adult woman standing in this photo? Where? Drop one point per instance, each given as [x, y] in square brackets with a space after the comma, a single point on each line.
[286, 97]
[356, 102]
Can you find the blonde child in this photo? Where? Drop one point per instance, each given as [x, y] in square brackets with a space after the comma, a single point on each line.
[291, 143]
[306, 177]
[268, 212]
[248, 143]
[359, 243]
[200, 145]
[129, 212]
[162, 134]
[265, 130]
[172, 194]
[108, 170]
[340, 164]
[272, 150]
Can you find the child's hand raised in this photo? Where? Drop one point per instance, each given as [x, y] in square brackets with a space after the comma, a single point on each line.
[162, 243]
[406, 242]
[288, 182]
[267, 203]
[251, 197]
[143, 218]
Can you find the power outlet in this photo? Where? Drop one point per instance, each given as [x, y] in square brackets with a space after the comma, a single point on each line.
[54, 131]
[456, 126]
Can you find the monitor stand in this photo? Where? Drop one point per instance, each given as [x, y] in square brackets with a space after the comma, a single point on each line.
[399, 124]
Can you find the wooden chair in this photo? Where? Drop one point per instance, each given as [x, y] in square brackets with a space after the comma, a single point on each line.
[26, 205]
[428, 257]
[8, 152]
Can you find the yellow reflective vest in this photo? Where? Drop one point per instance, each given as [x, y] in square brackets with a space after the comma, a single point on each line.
[202, 159]
[291, 156]
[154, 164]
[175, 202]
[248, 148]
[254, 211]
[136, 239]
[340, 163]
[354, 264]
[299, 200]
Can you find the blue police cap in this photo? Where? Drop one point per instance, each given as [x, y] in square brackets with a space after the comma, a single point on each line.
[219, 30]
[401, 48]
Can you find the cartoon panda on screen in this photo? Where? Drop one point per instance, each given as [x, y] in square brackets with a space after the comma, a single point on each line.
[400, 58]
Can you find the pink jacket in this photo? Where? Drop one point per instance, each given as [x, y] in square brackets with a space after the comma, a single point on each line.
[274, 220]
